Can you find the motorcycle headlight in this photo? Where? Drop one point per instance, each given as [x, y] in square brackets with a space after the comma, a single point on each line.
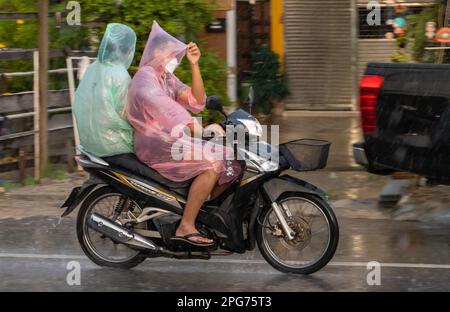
[259, 129]
[253, 126]
[262, 163]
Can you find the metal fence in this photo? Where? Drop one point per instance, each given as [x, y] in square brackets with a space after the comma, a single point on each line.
[18, 117]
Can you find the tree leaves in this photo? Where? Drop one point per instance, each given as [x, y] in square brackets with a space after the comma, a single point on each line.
[268, 83]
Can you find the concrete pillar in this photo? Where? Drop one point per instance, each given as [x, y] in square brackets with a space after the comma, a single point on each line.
[277, 27]
[232, 53]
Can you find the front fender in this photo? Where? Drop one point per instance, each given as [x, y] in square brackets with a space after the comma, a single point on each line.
[274, 188]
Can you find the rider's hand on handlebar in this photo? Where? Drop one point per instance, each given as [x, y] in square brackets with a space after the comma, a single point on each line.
[213, 130]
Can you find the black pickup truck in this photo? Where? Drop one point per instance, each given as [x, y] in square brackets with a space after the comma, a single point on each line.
[405, 117]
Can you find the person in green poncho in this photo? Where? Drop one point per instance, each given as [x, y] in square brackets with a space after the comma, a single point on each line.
[102, 93]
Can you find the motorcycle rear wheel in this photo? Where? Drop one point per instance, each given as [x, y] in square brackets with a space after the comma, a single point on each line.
[103, 194]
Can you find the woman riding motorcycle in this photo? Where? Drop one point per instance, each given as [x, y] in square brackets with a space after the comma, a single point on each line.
[157, 109]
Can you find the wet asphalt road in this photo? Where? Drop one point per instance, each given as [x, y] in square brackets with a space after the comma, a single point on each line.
[35, 253]
[36, 246]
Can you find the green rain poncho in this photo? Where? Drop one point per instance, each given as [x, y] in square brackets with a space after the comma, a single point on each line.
[101, 95]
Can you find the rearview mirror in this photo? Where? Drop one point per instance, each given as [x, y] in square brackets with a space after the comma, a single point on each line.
[214, 103]
[251, 98]
[251, 95]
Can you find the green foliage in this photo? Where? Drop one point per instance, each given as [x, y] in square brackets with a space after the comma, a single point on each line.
[24, 33]
[17, 84]
[181, 18]
[55, 172]
[412, 46]
[268, 83]
[401, 57]
[402, 54]
[18, 6]
[417, 33]
[8, 185]
[29, 181]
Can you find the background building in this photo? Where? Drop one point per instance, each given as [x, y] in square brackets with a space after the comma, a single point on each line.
[324, 45]
[327, 45]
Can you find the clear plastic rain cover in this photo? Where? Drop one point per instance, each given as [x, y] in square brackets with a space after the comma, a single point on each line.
[101, 96]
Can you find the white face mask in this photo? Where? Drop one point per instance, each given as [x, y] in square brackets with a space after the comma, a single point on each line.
[172, 65]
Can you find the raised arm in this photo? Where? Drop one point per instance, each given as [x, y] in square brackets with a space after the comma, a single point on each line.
[192, 98]
[193, 55]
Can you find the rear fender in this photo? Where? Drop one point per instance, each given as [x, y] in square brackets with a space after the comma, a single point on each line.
[78, 194]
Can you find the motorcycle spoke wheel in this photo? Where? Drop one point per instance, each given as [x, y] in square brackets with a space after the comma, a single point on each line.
[315, 240]
[103, 247]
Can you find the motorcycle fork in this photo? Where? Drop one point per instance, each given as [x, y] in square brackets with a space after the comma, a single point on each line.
[281, 212]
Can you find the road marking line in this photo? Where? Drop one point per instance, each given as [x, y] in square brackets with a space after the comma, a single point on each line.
[41, 256]
[230, 261]
[395, 265]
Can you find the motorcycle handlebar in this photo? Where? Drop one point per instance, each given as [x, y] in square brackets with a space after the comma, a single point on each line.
[284, 164]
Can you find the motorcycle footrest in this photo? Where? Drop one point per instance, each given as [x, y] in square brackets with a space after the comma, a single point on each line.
[194, 255]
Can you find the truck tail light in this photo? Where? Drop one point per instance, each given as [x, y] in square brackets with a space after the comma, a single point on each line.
[369, 88]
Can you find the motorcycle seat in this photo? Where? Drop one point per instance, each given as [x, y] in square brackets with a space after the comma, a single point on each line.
[130, 163]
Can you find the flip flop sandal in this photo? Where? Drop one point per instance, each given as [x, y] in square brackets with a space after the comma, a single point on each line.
[185, 239]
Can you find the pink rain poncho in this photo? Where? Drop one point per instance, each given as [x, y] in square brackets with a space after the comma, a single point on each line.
[157, 109]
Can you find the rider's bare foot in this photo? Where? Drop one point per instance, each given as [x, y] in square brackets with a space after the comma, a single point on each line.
[185, 230]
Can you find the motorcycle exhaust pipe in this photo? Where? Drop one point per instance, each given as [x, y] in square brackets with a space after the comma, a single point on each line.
[119, 233]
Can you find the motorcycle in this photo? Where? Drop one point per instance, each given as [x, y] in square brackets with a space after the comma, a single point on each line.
[129, 212]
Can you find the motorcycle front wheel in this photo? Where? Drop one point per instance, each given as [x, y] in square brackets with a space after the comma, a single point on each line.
[316, 235]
